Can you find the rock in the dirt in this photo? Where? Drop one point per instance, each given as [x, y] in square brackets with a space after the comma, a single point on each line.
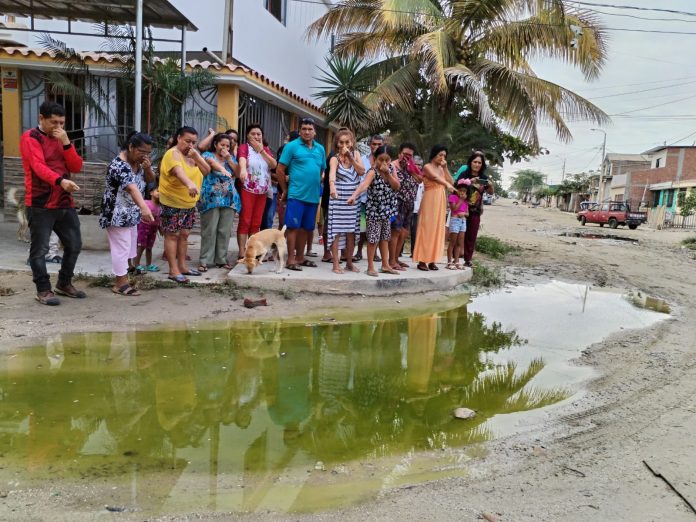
[464, 413]
[319, 466]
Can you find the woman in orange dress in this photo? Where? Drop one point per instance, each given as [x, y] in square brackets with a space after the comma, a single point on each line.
[430, 238]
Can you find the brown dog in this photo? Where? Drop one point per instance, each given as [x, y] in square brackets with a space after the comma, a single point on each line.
[258, 245]
[14, 199]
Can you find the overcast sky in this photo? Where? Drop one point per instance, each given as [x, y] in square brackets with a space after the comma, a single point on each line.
[663, 63]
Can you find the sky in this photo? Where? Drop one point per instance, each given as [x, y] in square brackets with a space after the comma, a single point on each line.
[648, 85]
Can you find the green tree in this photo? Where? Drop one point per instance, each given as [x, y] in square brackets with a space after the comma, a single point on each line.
[687, 204]
[526, 182]
[344, 84]
[479, 51]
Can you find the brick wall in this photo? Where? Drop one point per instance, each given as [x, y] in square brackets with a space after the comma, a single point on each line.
[638, 179]
[90, 180]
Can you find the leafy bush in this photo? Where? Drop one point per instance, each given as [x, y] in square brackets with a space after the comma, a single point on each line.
[493, 247]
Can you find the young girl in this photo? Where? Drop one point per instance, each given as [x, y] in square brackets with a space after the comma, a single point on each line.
[147, 233]
[459, 208]
[381, 184]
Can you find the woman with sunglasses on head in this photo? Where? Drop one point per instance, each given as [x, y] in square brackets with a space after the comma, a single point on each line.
[255, 163]
[123, 206]
[475, 171]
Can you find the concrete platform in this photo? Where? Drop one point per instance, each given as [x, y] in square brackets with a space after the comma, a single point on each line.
[320, 280]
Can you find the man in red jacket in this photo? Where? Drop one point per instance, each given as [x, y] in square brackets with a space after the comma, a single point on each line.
[48, 159]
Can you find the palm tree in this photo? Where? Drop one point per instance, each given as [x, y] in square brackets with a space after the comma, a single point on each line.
[478, 50]
[345, 83]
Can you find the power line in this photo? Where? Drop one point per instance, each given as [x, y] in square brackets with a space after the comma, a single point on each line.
[655, 9]
[605, 87]
[653, 106]
[621, 29]
[644, 90]
[642, 17]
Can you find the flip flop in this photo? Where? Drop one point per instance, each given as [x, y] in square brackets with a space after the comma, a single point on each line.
[338, 271]
[294, 267]
[308, 263]
[152, 268]
[404, 265]
[226, 266]
[423, 266]
[330, 260]
[372, 273]
[388, 271]
[126, 290]
[201, 268]
[312, 254]
[179, 278]
[191, 272]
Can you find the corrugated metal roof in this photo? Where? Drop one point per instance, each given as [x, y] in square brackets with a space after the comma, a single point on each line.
[157, 13]
[216, 68]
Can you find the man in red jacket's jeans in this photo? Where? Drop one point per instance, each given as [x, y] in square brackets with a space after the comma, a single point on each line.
[48, 159]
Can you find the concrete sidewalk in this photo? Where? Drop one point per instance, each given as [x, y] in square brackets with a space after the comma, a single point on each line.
[14, 254]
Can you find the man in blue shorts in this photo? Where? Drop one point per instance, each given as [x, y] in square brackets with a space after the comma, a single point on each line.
[303, 160]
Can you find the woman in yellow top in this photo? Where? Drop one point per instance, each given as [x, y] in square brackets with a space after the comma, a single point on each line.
[181, 175]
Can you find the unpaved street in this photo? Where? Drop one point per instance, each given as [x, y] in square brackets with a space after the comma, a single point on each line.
[585, 461]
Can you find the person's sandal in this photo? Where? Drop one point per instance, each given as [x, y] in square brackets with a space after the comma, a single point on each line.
[126, 290]
[422, 266]
[451, 266]
[70, 291]
[432, 266]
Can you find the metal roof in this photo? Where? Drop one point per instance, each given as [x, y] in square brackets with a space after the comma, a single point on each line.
[157, 13]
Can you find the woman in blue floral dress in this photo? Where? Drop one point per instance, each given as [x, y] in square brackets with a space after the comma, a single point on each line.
[219, 200]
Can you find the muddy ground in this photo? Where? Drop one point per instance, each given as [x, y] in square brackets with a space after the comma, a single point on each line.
[585, 461]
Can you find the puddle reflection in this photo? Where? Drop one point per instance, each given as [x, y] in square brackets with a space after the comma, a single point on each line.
[253, 416]
[261, 402]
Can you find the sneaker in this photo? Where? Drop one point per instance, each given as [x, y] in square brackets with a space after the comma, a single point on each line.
[70, 291]
[47, 298]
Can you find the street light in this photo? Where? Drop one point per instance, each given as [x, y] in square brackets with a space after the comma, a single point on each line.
[600, 190]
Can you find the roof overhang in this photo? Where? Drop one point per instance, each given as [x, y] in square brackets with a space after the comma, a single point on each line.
[156, 13]
[661, 186]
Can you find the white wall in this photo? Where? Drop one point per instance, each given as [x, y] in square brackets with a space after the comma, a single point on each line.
[280, 52]
[662, 156]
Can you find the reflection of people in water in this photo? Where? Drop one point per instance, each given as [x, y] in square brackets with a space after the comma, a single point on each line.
[287, 380]
[422, 334]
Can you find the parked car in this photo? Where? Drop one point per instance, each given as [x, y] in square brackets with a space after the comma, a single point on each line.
[613, 214]
[488, 199]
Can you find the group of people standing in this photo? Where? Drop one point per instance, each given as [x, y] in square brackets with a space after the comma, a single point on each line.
[380, 198]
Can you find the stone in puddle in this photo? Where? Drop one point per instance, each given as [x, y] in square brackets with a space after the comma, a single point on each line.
[464, 413]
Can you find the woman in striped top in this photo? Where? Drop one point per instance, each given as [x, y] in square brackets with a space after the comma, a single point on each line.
[345, 171]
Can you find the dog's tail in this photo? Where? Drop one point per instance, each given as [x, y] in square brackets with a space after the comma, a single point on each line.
[283, 229]
[12, 197]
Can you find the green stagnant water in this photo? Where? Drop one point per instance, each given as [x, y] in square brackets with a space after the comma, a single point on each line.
[290, 416]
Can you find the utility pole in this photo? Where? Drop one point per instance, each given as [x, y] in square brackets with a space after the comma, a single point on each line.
[228, 31]
[563, 174]
[600, 190]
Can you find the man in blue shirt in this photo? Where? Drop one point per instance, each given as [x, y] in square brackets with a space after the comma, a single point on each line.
[303, 161]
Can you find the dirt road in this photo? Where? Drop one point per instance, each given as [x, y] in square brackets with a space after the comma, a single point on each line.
[585, 462]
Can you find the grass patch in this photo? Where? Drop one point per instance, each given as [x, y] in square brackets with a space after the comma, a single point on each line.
[486, 277]
[142, 282]
[227, 287]
[288, 294]
[690, 243]
[494, 248]
[5, 291]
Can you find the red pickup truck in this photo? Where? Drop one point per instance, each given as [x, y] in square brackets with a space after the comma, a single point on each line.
[612, 214]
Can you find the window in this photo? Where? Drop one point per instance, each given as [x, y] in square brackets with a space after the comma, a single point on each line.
[605, 207]
[277, 8]
[669, 198]
[657, 163]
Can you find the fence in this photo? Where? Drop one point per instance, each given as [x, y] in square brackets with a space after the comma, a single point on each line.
[660, 217]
